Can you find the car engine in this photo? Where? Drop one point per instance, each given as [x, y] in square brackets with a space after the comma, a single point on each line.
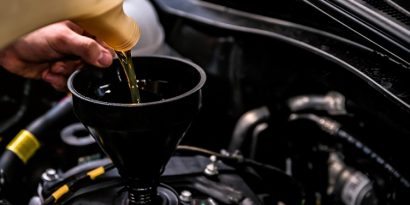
[305, 102]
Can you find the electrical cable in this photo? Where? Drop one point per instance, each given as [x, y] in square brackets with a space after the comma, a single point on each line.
[26, 143]
[335, 129]
[200, 150]
[236, 160]
[374, 156]
[76, 183]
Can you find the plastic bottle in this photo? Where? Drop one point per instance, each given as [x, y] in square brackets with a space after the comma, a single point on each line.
[103, 18]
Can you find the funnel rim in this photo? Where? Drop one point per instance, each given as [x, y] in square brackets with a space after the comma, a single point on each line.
[197, 87]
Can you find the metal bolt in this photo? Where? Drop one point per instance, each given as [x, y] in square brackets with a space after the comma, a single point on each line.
[49, 175]
[212, 168]
[2, 178]
[185, 196]
[211, 201]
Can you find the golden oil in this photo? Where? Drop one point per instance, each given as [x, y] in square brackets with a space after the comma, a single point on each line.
[126, 63]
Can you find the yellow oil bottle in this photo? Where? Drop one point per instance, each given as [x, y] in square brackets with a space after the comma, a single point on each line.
[103, 18]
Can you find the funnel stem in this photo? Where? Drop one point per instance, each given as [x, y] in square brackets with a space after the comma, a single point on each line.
[140, 195]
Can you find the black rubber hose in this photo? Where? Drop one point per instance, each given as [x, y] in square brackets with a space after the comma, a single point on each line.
[334, 128]
[25, 144]
[41, 125]
[13, 120]
[10, 166]
[373, 156]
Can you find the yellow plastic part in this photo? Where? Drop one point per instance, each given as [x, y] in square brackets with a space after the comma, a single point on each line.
[24, 145]
[60, 192]
[96, 172]
[104, 19]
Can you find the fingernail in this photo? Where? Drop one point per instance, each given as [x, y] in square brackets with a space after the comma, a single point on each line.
[104, 59]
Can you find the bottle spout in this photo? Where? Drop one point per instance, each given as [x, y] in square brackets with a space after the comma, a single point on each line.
[104, 19]
[116, 29]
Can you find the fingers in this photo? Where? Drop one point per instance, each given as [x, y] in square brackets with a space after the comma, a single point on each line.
[76, 28]
[45, 53]
[11, 62]
[65, 68]
[92, 52]
[59, 82]
[58, 73]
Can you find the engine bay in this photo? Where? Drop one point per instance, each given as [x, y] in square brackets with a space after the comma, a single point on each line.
[294, 111]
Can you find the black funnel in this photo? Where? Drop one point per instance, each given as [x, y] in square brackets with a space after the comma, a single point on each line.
[139, 138]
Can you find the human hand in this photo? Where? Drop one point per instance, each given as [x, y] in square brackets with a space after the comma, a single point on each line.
[53, 53]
